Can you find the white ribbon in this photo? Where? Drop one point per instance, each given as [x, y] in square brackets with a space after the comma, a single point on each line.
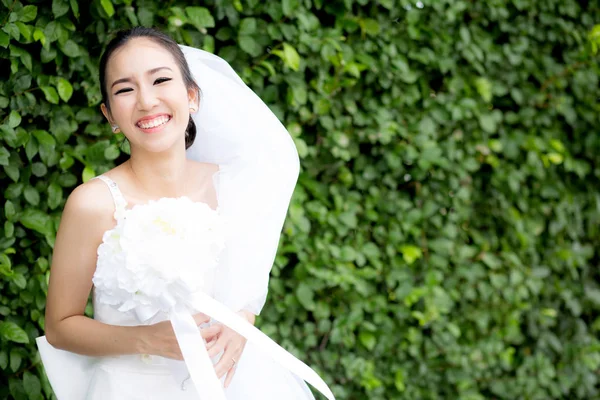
[197, 360]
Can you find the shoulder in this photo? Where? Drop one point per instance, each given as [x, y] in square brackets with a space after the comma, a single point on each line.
[90, 200]
[203, 168]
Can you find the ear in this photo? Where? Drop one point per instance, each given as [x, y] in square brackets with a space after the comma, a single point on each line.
[194, 98]
[106, 113]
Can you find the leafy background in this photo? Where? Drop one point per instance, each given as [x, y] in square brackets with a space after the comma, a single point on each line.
[443, 241]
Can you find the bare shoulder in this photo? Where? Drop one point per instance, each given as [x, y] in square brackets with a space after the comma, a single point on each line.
[204, 167]
[204, 171]
[90, 201]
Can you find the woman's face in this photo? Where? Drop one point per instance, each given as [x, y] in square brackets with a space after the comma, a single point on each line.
[148, 98]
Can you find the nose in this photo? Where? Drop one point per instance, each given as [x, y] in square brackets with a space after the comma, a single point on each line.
[146, 98]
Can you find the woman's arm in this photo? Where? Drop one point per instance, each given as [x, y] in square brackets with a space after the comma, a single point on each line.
[87, 215]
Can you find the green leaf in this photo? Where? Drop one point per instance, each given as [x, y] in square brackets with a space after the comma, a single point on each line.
[555, 158]
[4, 156]
[32, 385]
[36, 220]
[66, 161]
[112, 152]
[19, 280]
[32, 196]
[75, 8]
[50, 93]
[27, 13]
[44, 138]
[71, 49]
[367, 339]
[305, 295]
[145, 16]
[370, 26]
[250, 46]
[65, 90]
[410, 253]
[399, 381]
[108, 7]
[4, 39]
[13, 172]
[59, 8]
[14, 119]
[289, 6]
[291, 57]
[52, 31]
[25, 30]
[87, 174]
[3, 359]
[9, 229]
[55, 195]
[13, 30]
[10, 331]
[9, 209]
[593, 294]
[23, 55]
[200, 17]
[5, 265]
[484, 88]
[488, 123]
[15, 360]
[247, 26]
[39, 169]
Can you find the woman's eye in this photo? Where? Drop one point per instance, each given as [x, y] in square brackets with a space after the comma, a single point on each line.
[161, 80]
[124, 90]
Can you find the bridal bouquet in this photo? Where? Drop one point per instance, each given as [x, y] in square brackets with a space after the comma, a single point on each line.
[158, 255]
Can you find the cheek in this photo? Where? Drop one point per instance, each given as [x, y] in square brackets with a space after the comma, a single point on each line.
[121, 108]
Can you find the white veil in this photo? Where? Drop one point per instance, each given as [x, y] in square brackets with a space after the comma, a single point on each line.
[258, 171]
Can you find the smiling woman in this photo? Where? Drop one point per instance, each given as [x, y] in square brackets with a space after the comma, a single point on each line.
[179, 277]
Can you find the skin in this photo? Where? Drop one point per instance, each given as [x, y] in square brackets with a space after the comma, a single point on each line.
[149, 83]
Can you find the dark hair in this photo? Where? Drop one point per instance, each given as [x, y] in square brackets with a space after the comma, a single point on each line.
[124, 36]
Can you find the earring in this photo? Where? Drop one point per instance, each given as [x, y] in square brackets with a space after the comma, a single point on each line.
[192, 108]
[115, 129]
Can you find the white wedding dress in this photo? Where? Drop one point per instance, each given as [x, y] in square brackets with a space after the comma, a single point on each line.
[146, 377]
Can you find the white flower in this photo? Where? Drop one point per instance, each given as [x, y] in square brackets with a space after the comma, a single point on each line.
[158, 256]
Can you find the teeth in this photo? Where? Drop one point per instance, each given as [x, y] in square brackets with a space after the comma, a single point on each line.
[154, 123]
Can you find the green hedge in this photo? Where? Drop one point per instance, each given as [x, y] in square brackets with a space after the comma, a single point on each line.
[443, 241]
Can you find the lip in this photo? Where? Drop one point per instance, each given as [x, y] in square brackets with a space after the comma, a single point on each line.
[151, 117]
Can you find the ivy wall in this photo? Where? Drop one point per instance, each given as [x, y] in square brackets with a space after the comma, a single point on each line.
[444, 238]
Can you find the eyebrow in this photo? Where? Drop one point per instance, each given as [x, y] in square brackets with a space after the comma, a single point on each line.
[149, 72]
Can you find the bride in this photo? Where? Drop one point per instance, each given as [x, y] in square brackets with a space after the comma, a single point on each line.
[207, 153]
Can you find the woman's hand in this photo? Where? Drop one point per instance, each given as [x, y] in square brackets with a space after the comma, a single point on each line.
[160, 340]
[222, 338]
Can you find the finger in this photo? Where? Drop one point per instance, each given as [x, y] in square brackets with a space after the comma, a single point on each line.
[210, 332]
[201, 318]
[226, 363]
[230, 375]
[215, 349]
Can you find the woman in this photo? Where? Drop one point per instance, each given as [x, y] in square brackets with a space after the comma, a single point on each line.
[245, 176]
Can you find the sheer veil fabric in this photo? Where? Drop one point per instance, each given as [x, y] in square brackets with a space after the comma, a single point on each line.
[259, 167]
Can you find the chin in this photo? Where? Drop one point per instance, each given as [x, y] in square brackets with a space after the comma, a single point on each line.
[159, 146]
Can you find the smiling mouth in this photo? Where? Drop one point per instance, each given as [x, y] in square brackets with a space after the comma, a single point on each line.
[154, 123]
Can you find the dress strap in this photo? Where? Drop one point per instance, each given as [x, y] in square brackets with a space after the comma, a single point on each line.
[118, 198]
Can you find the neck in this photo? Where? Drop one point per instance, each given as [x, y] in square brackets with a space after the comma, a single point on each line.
[161, 175]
